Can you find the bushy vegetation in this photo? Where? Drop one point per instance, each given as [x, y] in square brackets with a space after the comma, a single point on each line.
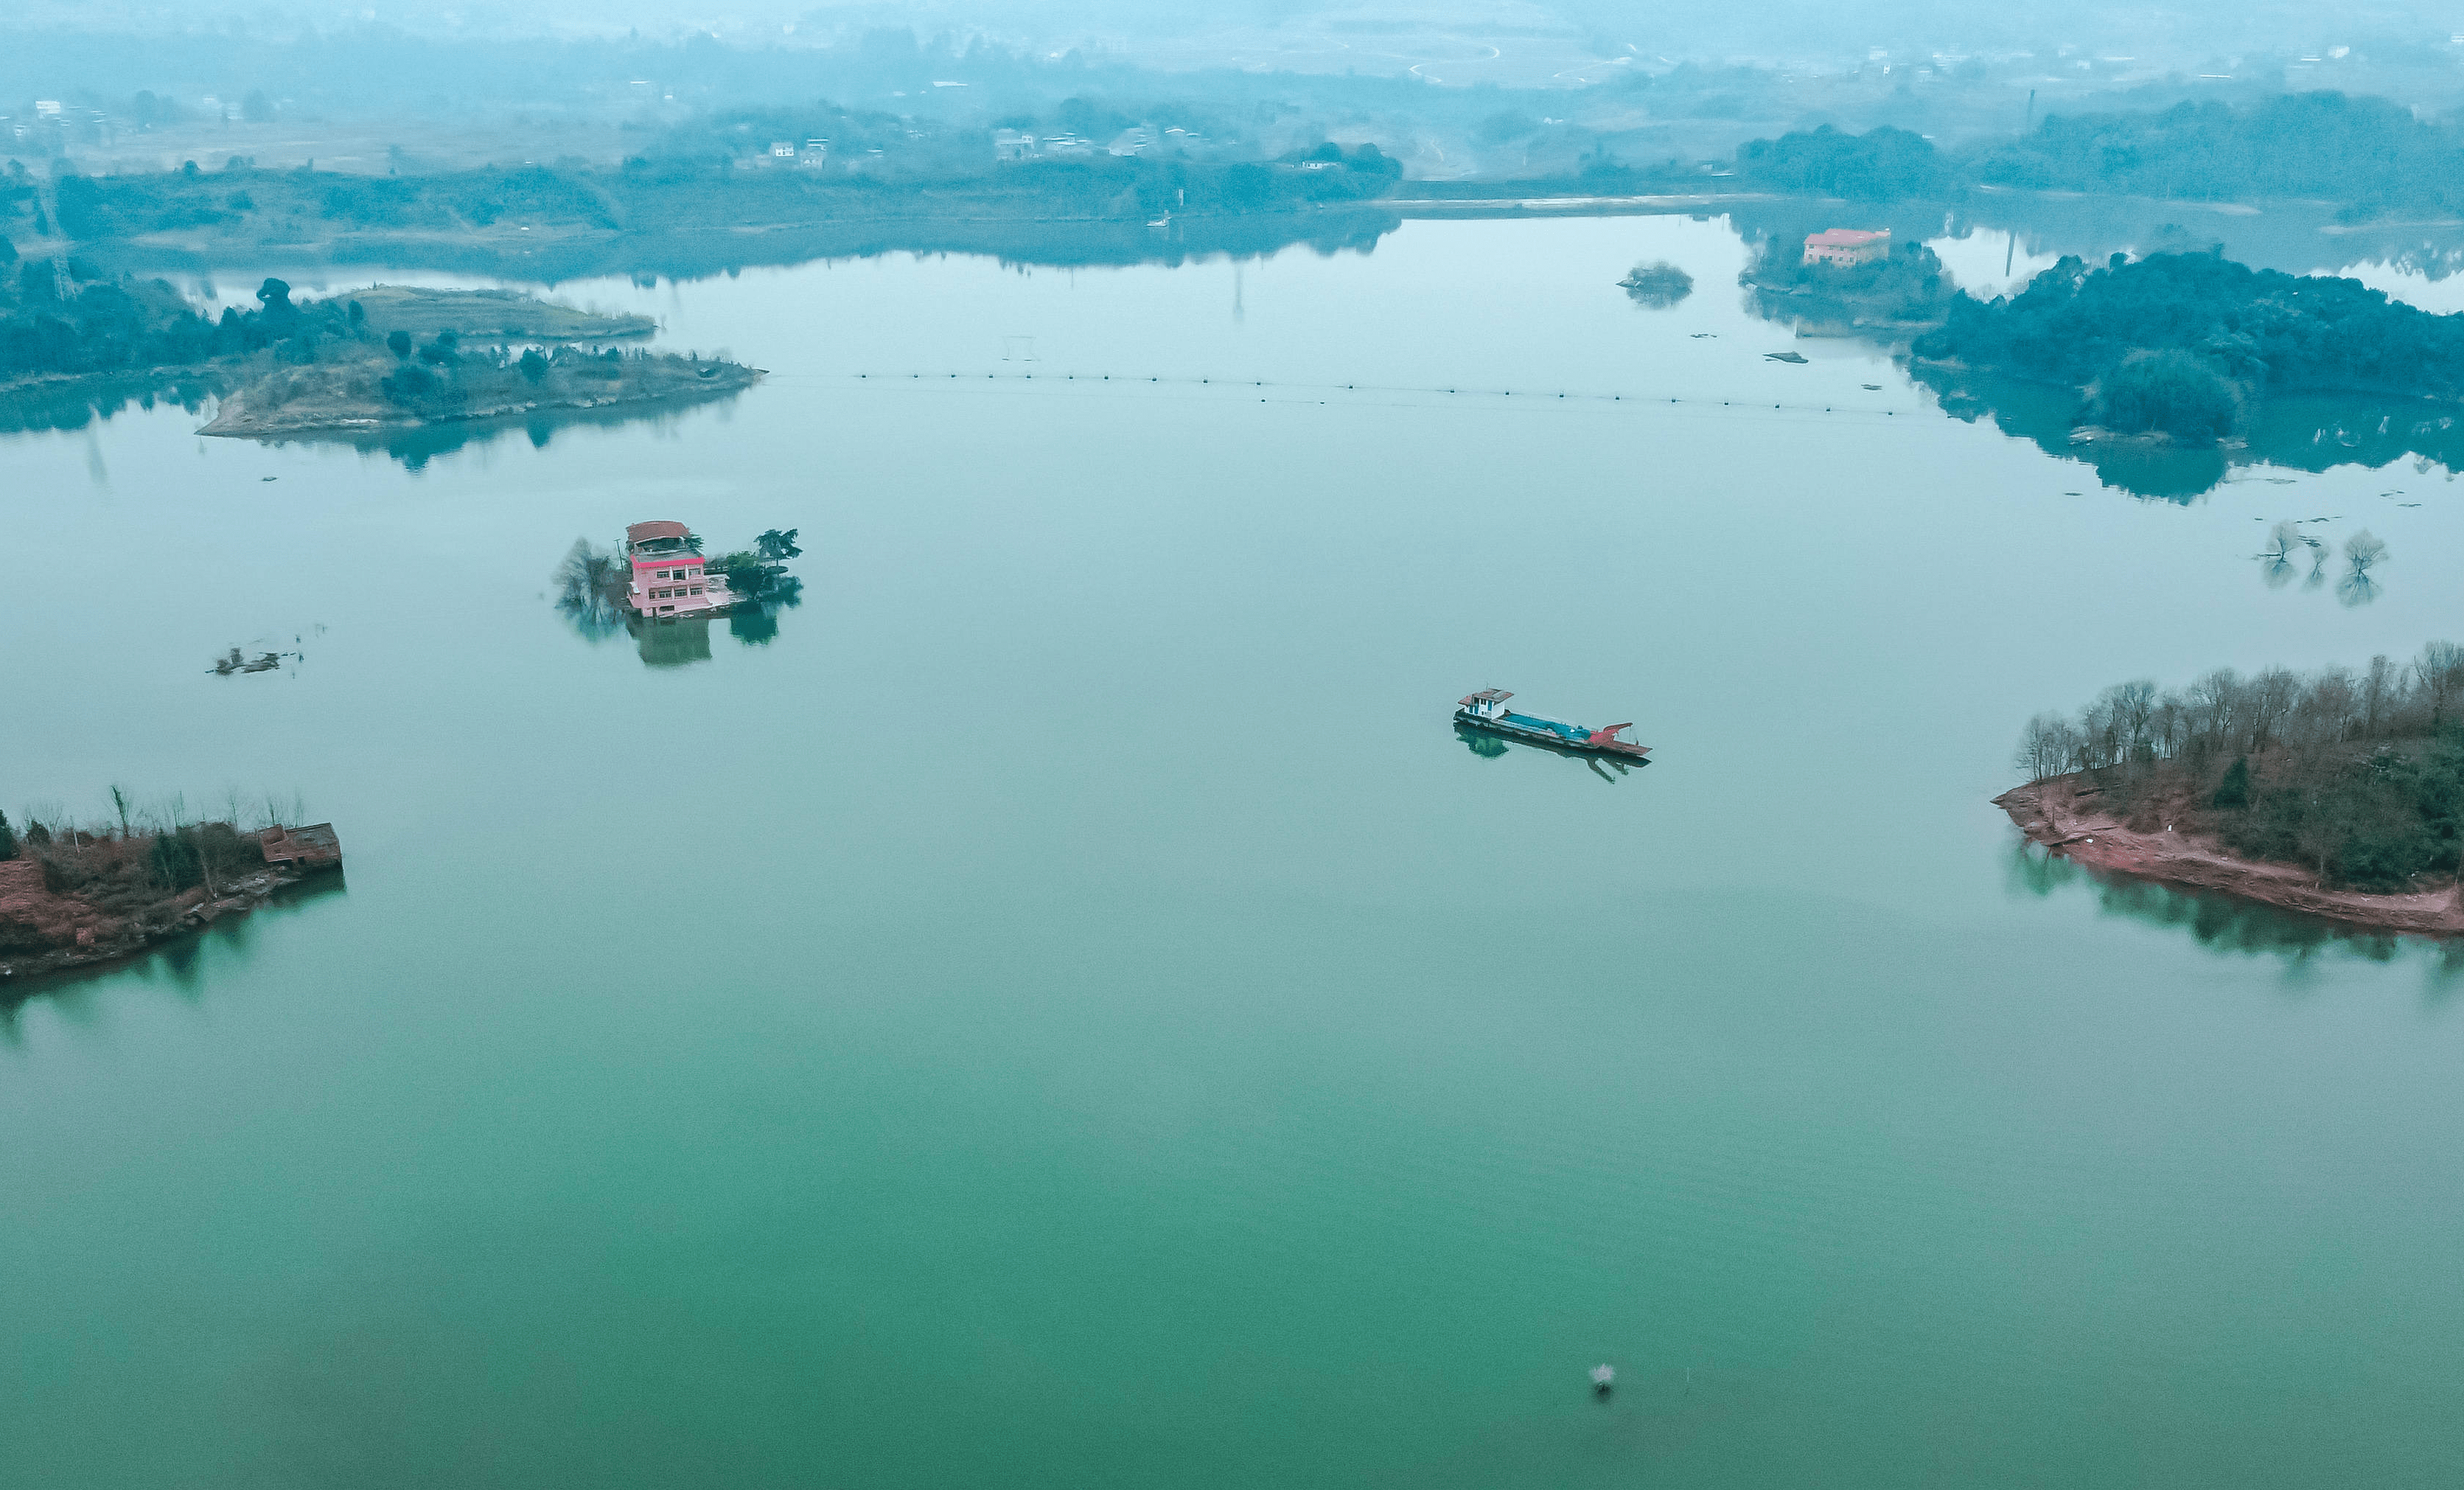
[2254, 332]
[121, 870]
[1879, 165]
[668, 193]
[2169, 390]
[1905, 287]
[2357, 776]
[1657, 285]
[2370, 154]
[112, 325]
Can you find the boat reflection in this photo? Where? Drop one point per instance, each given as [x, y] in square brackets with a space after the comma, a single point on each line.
[1490, 748]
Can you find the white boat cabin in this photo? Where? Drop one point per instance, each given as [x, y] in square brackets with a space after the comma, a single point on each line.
[1487, 703]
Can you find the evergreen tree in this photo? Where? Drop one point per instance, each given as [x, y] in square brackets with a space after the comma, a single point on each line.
[2235, 789]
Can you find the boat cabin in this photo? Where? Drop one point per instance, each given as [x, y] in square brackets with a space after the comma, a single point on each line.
[1487, 703]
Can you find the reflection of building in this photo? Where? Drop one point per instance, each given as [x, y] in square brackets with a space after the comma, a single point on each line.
[669, 579]
[1846, 246]
[672, 643]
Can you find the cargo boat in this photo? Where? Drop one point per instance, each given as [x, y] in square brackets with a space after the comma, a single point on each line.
[1487, 711]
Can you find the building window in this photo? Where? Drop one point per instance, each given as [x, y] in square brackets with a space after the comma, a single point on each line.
[696, 589]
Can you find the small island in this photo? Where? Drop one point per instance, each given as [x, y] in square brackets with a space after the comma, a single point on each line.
[1849, 283]
[74, 896]
[2340, 794]
[388, 358]
[2187, 347]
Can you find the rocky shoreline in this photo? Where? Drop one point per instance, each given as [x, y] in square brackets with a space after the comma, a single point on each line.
[2066, 814]
[69, 931]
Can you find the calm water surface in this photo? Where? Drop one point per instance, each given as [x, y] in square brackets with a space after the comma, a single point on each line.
[1067, 1011]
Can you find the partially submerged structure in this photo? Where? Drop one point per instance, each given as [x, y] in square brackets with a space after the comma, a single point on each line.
[669, 579]
[1846, 245]
[314, 846]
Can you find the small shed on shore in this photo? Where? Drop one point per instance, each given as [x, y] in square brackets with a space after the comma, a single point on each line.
[312, 847]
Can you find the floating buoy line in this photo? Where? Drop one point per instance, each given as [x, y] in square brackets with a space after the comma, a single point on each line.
[1105, 380]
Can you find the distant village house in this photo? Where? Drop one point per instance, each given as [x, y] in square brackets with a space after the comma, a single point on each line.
[1846, 246]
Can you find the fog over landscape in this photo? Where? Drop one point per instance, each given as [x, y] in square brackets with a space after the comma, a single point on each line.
[991, 742]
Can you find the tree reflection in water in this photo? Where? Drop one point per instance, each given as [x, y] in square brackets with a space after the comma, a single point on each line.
[2218, 921]
[2300, 431]
[590, 588]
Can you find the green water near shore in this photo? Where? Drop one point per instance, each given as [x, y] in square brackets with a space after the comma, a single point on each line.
[1066, 1008]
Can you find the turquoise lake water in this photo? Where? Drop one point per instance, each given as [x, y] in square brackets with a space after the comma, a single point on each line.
[1067, 1010]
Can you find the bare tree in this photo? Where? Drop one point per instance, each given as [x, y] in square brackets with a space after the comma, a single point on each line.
[2047, 748]
[2439, 671]
[2272, 694]
[2378, 693]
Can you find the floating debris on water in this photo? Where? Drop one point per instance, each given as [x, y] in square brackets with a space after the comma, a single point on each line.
[236, 661]
[1796, 357]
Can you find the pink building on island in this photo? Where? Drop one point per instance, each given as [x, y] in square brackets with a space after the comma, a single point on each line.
[669, 578]
[1846, 246]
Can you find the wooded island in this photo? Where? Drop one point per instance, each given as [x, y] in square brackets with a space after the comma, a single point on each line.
[2337, 793]
[388, 358]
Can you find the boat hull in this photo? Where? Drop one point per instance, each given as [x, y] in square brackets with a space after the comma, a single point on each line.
[1550, 740]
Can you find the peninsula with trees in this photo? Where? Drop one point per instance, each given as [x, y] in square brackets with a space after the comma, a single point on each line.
[75, 894]
[2339, 793]
[388, 358]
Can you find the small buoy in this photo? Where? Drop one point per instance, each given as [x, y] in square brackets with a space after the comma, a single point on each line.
[1604, 1378]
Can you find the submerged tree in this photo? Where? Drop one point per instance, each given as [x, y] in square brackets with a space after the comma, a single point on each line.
[590, 590]
[1657, 285]
[2361, 551]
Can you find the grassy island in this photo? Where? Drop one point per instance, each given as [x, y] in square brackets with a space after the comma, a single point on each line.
[388, 358]
[2339, 793]
[73, 894]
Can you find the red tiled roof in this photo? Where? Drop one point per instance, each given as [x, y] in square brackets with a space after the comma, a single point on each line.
[1843, 238]
[644, 532]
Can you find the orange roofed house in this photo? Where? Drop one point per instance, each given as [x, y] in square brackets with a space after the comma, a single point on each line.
[1846, 246]
[669, 578]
